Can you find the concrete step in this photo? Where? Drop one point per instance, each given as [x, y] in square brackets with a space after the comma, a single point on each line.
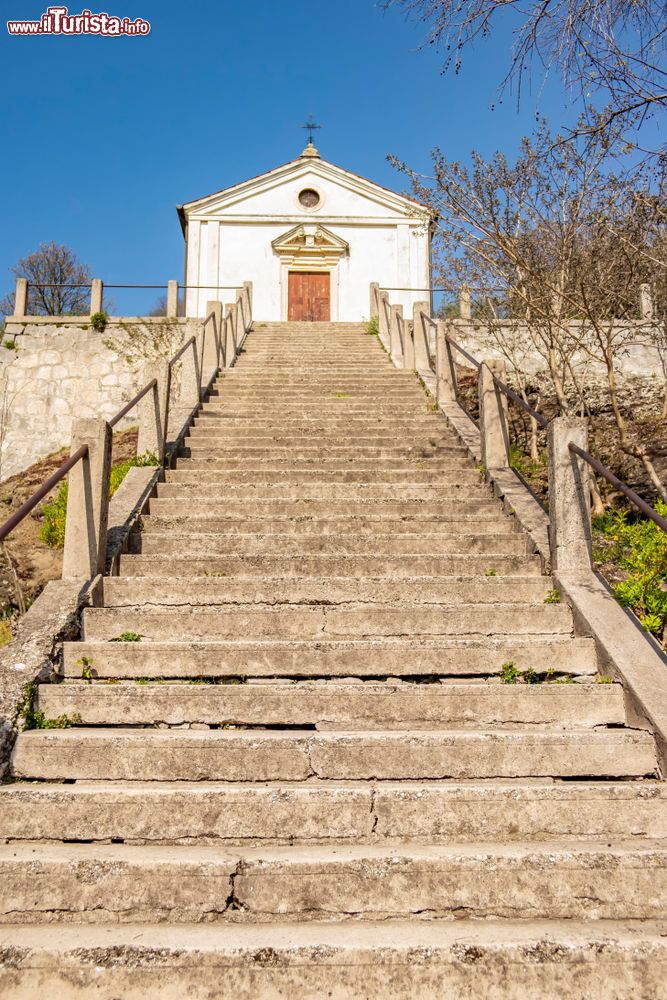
[376, 960]
[385, 396]
[331, 408]
[130, 884]
[305, 448]
[280, 422]
[316, 623]
[329, 811]
[298, 490]
[329, 658]
[338, 705]
[308, 381]
[377, 543]
[236, 442]
[216, 460]
[301, 507]
[267, 755]
[357, 474]
[215, 591]
[323, 564]
[297, 526]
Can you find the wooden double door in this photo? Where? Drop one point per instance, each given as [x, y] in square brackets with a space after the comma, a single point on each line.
[309, 297]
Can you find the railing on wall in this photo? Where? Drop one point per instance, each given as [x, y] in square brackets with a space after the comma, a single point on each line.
[96, 296]
[569, 462]
[216, 344]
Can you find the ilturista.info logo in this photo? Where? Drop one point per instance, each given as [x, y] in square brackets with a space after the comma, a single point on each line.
[58, 21]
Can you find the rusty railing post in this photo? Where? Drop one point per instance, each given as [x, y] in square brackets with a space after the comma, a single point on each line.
[84, 555]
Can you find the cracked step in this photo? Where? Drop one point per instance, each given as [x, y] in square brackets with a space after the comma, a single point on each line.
[301, 507]
[329, 811]
[134, 591]
[129, 884]
[211, 477]
[256, 755]
[328, 564]
[288, 622]
[488, 524]
[187, 544]
[389, 658]
[331, 705]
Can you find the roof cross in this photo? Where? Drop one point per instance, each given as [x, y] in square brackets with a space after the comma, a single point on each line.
[311, 126]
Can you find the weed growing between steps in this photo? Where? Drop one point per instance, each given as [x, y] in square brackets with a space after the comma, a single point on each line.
[510, 674]
[553, 597]
[86, 665]
[128, 637]
[52, 532]
[34, 719]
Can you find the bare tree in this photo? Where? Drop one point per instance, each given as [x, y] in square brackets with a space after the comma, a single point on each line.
[58, 283]
[610, 53]
[568, 244]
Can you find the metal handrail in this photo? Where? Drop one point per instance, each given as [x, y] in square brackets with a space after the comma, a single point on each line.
[53, 480]
[465, 354]
[133, 402]
[179, 354]
[539, 417]
[607, 474]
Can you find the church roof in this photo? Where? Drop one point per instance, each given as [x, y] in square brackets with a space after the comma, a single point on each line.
[309, 159]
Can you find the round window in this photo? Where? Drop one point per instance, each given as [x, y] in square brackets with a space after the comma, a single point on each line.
[309, 198]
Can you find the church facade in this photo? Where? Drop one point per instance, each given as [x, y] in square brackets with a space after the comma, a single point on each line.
[311, 237]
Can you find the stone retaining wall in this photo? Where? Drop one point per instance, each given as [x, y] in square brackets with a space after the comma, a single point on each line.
[59, 371]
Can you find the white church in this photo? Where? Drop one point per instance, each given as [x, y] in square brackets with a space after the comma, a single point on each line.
[311, 237]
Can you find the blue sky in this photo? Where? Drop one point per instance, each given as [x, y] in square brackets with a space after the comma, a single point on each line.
[103, 137]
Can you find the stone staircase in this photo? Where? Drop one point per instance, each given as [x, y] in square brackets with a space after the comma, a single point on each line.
[293, 768]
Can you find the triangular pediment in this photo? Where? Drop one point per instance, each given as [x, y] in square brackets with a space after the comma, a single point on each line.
[251, 196]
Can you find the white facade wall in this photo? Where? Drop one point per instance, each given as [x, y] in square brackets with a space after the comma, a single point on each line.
[229, 240]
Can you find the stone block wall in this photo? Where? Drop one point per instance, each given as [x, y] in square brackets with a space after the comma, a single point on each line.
[59, 371]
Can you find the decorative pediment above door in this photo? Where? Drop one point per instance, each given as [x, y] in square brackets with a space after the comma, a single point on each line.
[310, 247]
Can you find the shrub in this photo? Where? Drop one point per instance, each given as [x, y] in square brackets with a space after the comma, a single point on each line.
[640, 547]
[99, 321]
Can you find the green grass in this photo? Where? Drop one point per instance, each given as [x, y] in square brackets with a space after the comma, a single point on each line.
[639, 547]
[52, 530]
